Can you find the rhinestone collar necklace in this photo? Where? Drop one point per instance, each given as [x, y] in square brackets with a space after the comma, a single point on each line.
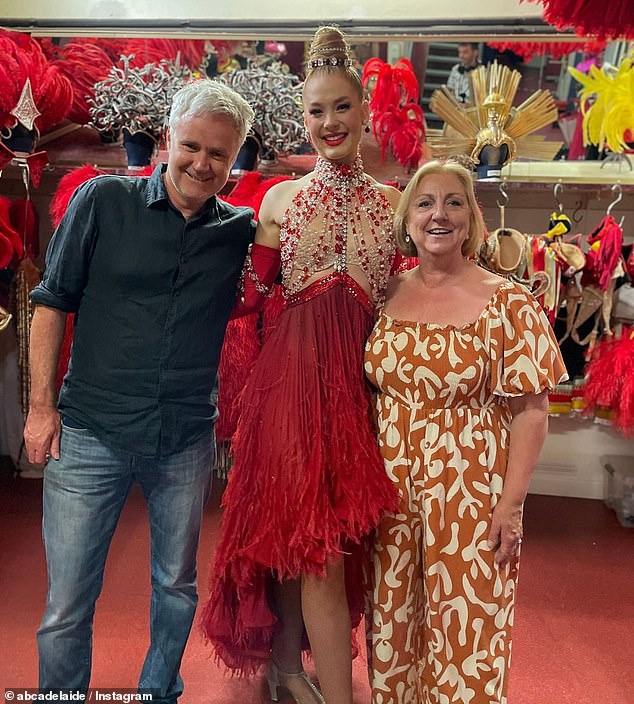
[336, 175]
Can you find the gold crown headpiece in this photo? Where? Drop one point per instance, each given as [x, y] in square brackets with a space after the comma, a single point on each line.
[470, 128]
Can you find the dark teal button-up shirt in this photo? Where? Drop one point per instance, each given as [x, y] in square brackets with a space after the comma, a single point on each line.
[153, 294]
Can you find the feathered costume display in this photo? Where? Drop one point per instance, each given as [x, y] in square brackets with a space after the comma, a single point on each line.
[610, 381]
[137, 100]
[134, 98]
[553, 50]
[184, 52]
[591, 17]
[397, 119]
[493, 124]
[34, 96]
[579, 291]
[84, 64]
[607, 105]
[274, 93]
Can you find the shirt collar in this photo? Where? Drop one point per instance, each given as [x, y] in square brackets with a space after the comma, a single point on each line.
[157, 192]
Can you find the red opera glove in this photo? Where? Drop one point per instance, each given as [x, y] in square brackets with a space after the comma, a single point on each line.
[261, 268]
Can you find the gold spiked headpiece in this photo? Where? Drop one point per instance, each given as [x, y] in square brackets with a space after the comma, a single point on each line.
[492, 124]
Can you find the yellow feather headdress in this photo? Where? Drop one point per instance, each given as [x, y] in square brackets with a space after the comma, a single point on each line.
[607, 104]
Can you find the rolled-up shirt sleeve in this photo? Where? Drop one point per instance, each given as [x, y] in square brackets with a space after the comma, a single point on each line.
[69, 252]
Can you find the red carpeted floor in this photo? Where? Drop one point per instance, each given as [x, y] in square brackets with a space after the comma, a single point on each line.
[574, 631]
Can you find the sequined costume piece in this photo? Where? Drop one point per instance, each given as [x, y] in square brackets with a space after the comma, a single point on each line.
[308, 481]
[337, 222]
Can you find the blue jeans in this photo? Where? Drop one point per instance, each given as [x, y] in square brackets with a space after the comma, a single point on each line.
[84, 492]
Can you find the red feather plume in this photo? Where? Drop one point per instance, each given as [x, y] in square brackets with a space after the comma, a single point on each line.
[84, 65]
[66, 187]
[52, 91]
[12, 248]
[397, 119]
[114, 48]
[604, 261]
[25, 221]
[591, 17]
[191, 52]
[610, 381]
[555, 50]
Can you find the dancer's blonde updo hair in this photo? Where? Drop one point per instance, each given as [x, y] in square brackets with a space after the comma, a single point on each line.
[329, 42]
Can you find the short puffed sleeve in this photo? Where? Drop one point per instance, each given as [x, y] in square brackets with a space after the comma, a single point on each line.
[525, 357]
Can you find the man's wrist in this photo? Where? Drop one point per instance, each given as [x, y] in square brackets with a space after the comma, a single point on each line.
[36, 405]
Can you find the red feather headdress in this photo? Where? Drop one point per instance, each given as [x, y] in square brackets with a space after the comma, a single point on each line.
[397, 119]
[25, 69]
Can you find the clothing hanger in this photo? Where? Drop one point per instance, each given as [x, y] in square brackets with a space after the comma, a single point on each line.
[503, 204]
[616, 188]
[559, 224]
[557, 191]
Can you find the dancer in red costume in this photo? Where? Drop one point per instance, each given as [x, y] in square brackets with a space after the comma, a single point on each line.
[308, 483]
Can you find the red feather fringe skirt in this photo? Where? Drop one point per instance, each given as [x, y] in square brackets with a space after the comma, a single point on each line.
[307, 482]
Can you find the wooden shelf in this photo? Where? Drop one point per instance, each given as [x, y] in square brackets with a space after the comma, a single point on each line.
[591, 173]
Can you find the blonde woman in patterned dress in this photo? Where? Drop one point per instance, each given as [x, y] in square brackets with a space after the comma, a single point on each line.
[308, 483]
[462, 360]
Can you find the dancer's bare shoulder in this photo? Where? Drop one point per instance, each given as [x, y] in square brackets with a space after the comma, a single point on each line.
[279, 197]
[392, 194]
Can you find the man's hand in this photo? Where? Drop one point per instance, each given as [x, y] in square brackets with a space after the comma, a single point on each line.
[43, 424]
[42, 433]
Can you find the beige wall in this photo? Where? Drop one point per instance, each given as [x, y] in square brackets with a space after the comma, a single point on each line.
[258, 10]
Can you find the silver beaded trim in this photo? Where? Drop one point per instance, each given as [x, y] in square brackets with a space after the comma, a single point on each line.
[263, 290]
[330, 61]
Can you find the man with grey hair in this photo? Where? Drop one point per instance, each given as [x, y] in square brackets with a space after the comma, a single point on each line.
[150, 267]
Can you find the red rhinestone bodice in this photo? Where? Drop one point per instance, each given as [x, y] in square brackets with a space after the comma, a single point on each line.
[339, 220]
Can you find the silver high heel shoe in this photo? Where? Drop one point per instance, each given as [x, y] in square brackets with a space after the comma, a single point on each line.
[298, 685]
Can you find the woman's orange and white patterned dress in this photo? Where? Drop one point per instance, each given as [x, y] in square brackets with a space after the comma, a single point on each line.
[439, 628]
